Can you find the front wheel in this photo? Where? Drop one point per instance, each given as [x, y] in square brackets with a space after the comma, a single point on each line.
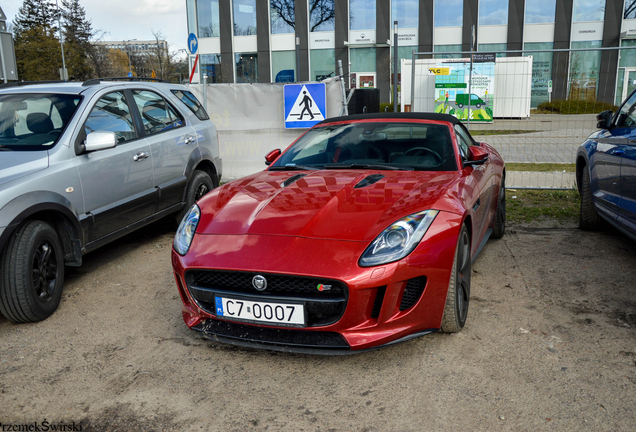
[458, 297]
[31, 273]
[500, 215]
[588, 218]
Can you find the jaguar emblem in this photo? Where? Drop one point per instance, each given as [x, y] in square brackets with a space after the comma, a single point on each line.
[259, 282]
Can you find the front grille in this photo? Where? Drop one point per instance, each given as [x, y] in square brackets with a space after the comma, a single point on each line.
[412, 292]
[323, 307]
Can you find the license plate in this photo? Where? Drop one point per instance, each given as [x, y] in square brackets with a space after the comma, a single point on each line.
[259, 311]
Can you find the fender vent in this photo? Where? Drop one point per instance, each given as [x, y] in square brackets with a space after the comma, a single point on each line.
[369, 180]
[412, 292]
[292, 179]
[377, 305]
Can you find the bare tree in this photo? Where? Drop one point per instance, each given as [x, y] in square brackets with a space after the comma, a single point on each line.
[160, 59]
[321, 12]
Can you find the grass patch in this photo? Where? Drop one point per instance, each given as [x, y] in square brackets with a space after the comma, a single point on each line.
[479, 132]
[533, 205]
[541, 167]
[574, 107]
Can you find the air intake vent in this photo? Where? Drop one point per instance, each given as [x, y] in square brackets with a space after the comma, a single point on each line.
[369, 180]
[292, 179]
[413, 292]
[377, 305]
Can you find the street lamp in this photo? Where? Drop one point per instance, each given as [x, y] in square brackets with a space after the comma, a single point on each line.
[128, 53]
[59, 24]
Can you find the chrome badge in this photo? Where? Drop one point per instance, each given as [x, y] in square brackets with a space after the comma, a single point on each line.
[259, 282]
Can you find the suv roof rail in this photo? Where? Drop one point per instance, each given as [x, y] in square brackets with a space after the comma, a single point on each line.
[95, 81]
[23, 83]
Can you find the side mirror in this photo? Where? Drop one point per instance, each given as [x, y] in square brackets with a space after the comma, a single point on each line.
[476, 156]
[604, 120]
[272, 156]
[100, 141]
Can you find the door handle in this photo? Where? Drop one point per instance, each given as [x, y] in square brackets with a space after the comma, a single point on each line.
[190, 139]
[139, 156]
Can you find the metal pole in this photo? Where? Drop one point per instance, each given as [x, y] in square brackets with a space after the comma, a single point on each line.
[413, 81]
[59, 23]
[345, 109]
[4, 68]
[297, 59]
[470, 74]
[395, 65]
[205, 91]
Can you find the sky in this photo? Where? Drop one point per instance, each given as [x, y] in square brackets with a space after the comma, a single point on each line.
[129, 19]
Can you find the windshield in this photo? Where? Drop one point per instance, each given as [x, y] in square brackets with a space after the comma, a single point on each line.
[31, 122]
[377, 145]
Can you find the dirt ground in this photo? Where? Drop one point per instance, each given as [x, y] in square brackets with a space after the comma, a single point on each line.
[550, 344]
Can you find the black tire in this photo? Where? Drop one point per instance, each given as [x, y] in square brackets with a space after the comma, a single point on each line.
[588, 218]
[478, 106]
[200, 184]
[32, 273]
[458, 297]
[460, 105]
[499, 227]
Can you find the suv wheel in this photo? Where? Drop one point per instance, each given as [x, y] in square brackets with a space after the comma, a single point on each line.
[32, 273]
[200, 184]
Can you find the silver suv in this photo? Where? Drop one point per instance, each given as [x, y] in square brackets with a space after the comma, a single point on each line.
[82, 164]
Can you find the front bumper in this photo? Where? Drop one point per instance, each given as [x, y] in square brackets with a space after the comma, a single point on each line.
[383, 304]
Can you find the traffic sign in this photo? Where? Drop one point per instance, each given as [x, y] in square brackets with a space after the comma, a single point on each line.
[193, 43]
[129, 74]
[305, 105]
[550, 86]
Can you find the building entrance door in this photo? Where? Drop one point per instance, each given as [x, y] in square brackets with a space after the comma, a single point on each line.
[629, 82]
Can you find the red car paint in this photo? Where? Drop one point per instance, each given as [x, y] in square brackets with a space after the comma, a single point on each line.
[320, 225]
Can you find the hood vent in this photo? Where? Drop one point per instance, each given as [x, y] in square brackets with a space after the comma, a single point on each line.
[368, 181]
[292, 179]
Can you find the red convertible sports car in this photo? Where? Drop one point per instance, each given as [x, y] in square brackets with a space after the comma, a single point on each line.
[361, 234]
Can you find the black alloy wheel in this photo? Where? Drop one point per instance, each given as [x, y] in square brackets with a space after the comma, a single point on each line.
[458, 297]
[499, 227]
[44, 271]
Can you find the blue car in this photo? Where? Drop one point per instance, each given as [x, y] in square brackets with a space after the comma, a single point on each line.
[606, 171]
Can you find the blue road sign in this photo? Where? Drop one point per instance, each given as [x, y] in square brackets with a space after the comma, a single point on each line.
[193, 43]
[129, 74]
[305, 105]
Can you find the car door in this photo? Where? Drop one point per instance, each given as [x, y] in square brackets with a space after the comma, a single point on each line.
[475, 189]
[117, 183]
[627, 204]
[171, 143]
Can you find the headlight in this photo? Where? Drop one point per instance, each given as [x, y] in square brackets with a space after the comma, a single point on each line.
[398, 240]
[185, 232]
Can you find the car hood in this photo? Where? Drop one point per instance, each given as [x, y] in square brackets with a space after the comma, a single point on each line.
[354, 205]
[15, 164]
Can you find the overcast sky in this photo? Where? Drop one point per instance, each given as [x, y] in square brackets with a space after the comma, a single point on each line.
[129, 19]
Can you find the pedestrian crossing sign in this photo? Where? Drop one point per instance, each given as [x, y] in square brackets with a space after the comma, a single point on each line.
[305, 105]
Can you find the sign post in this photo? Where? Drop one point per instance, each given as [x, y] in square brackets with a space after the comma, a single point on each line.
[550, 91]
[193, 46]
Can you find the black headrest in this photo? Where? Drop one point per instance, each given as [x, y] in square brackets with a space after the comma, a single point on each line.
[39, 123]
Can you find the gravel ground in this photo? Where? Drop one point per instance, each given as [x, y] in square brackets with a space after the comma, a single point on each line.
[550, 344]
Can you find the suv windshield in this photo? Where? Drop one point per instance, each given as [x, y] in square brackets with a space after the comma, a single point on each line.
[30, 122]
[376, 145]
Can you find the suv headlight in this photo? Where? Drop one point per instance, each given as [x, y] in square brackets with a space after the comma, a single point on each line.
[398, 240]
[185, 232]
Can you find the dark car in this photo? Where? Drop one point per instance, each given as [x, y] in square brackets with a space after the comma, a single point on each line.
[606, 171]
[359, 235]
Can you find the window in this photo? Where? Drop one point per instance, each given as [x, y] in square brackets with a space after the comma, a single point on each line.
[112, 114]
[496, 48]
[447, 48]
[588, 10]
[405, 52]
[540, 11]
[541, 71]
[362, 14]
[283, 16]
[322, 15]
[323, 63]
[584, 71]
[208, 17]
[463, 140]
[405, 12]
[630, 9]
[211, 65]
[448, 13]
[246, 67]
[493, 12]
[192, 103]
[244, 17]
[157, 115]
[283, 66]
[362, 59]
[626, 115]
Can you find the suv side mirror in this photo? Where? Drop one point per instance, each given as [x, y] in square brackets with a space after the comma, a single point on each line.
[100, 141]
[272, 156]
[604, 120]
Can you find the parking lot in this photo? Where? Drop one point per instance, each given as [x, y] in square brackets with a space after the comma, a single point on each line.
[550, 344]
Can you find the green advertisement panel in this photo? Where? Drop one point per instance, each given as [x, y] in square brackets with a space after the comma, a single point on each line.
[452, 94]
